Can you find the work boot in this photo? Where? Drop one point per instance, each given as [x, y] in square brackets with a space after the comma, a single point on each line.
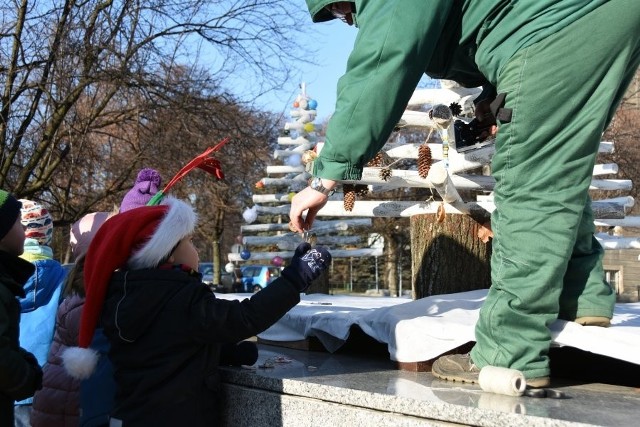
[460, 367]
[456, 367]
[603, 322]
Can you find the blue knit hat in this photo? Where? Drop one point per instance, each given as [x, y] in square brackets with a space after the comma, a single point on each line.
[9, 212]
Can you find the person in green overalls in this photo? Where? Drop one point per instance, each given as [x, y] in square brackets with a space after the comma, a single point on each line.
[562, 67]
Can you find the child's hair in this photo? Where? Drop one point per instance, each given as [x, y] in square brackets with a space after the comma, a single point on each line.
[74, 282]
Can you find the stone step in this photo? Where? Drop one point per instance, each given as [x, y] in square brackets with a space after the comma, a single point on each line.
[289, 387]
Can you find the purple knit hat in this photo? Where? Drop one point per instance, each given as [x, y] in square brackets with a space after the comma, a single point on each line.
[145, 187]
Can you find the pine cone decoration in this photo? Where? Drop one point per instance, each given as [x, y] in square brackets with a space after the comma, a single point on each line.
[424, 160]
[376, 161]
[361, 190]
[308, 157]
[455, 108]
[349, 197]
[385, 174]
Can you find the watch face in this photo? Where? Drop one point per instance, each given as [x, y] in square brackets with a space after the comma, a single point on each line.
[316, 184]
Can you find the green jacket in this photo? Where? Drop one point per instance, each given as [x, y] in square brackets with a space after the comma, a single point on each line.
[20, 374]
[468, 41]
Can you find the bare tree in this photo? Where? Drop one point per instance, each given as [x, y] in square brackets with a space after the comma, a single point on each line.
[71, 71]
[84, 85]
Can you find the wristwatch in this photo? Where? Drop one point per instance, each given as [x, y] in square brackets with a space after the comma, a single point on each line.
[316, 184]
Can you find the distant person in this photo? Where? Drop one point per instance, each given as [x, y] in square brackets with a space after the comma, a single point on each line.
[20, 373]
[58, 403]
[165, 326]
[42, 291]
[237, 285]
[146, 186]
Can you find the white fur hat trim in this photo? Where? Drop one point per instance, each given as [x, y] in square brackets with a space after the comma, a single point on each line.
[79, 362]
[178, 223]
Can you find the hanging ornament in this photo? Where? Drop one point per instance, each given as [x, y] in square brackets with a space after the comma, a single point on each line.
[309, 127]
[313, 104]
[309, 156]
[229, 267]
[277, 261]
[291, 195]
[259, 184]
[303, 104]
[245, 254]
[250, 214]
[294, 160]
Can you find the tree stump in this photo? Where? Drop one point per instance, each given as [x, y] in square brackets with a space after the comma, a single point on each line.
[448, 256]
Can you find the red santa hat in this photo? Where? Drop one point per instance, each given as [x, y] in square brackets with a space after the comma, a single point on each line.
[139, 238]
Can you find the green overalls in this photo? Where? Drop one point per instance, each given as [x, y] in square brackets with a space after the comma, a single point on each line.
[564, 66]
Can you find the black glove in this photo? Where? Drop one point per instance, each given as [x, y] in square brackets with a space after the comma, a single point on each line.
[242, 353]
[37, 381]
[307, 265]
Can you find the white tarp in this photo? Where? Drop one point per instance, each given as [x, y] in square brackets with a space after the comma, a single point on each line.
[420, 330]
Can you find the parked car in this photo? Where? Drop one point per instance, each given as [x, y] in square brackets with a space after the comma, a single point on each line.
[226, 280]
[257, 277]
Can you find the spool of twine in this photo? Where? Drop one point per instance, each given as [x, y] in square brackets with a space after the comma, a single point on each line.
[509, 382]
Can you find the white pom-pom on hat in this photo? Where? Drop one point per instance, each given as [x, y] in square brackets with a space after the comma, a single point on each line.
[79, 362]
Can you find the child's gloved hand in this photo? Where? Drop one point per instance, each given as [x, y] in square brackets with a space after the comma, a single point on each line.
[307, 265]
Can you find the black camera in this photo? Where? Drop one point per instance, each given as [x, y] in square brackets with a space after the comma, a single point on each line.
[469, 136]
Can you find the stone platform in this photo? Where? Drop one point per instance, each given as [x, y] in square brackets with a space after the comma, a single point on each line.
[290, 387]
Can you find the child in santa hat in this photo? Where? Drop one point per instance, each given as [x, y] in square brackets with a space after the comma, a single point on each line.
[166, 327]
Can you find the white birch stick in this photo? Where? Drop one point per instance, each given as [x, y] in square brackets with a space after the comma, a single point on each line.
[338, 225]
[287, 140]
[627, 221]
[335, 253]
[392, 209]
[612, 242]
[290, 241]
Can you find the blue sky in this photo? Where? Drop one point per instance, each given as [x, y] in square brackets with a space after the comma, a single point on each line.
[332, 43]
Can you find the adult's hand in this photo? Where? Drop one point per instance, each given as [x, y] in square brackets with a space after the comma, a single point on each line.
[308, 200]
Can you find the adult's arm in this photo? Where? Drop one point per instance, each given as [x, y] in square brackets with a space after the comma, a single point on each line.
[395, 42]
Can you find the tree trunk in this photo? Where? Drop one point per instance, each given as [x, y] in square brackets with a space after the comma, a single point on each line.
[391, 264]
[447, 256]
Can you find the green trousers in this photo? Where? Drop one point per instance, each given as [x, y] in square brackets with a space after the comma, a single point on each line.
[546, 264]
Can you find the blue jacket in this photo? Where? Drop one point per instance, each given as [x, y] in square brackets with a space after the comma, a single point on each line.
[38, 310]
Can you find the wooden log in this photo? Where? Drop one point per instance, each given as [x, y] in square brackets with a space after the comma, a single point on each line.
[410, 151]
[401, 178]
[302, 113]
[285, 169]
[612, 242]
[428, 96]
[287, 140]
[290, 241]
[335, 253]
[300, 180]
[447, 256]
[393, 209]
[286, 153]
[337, 225]
[627, 221]
[416, 119]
